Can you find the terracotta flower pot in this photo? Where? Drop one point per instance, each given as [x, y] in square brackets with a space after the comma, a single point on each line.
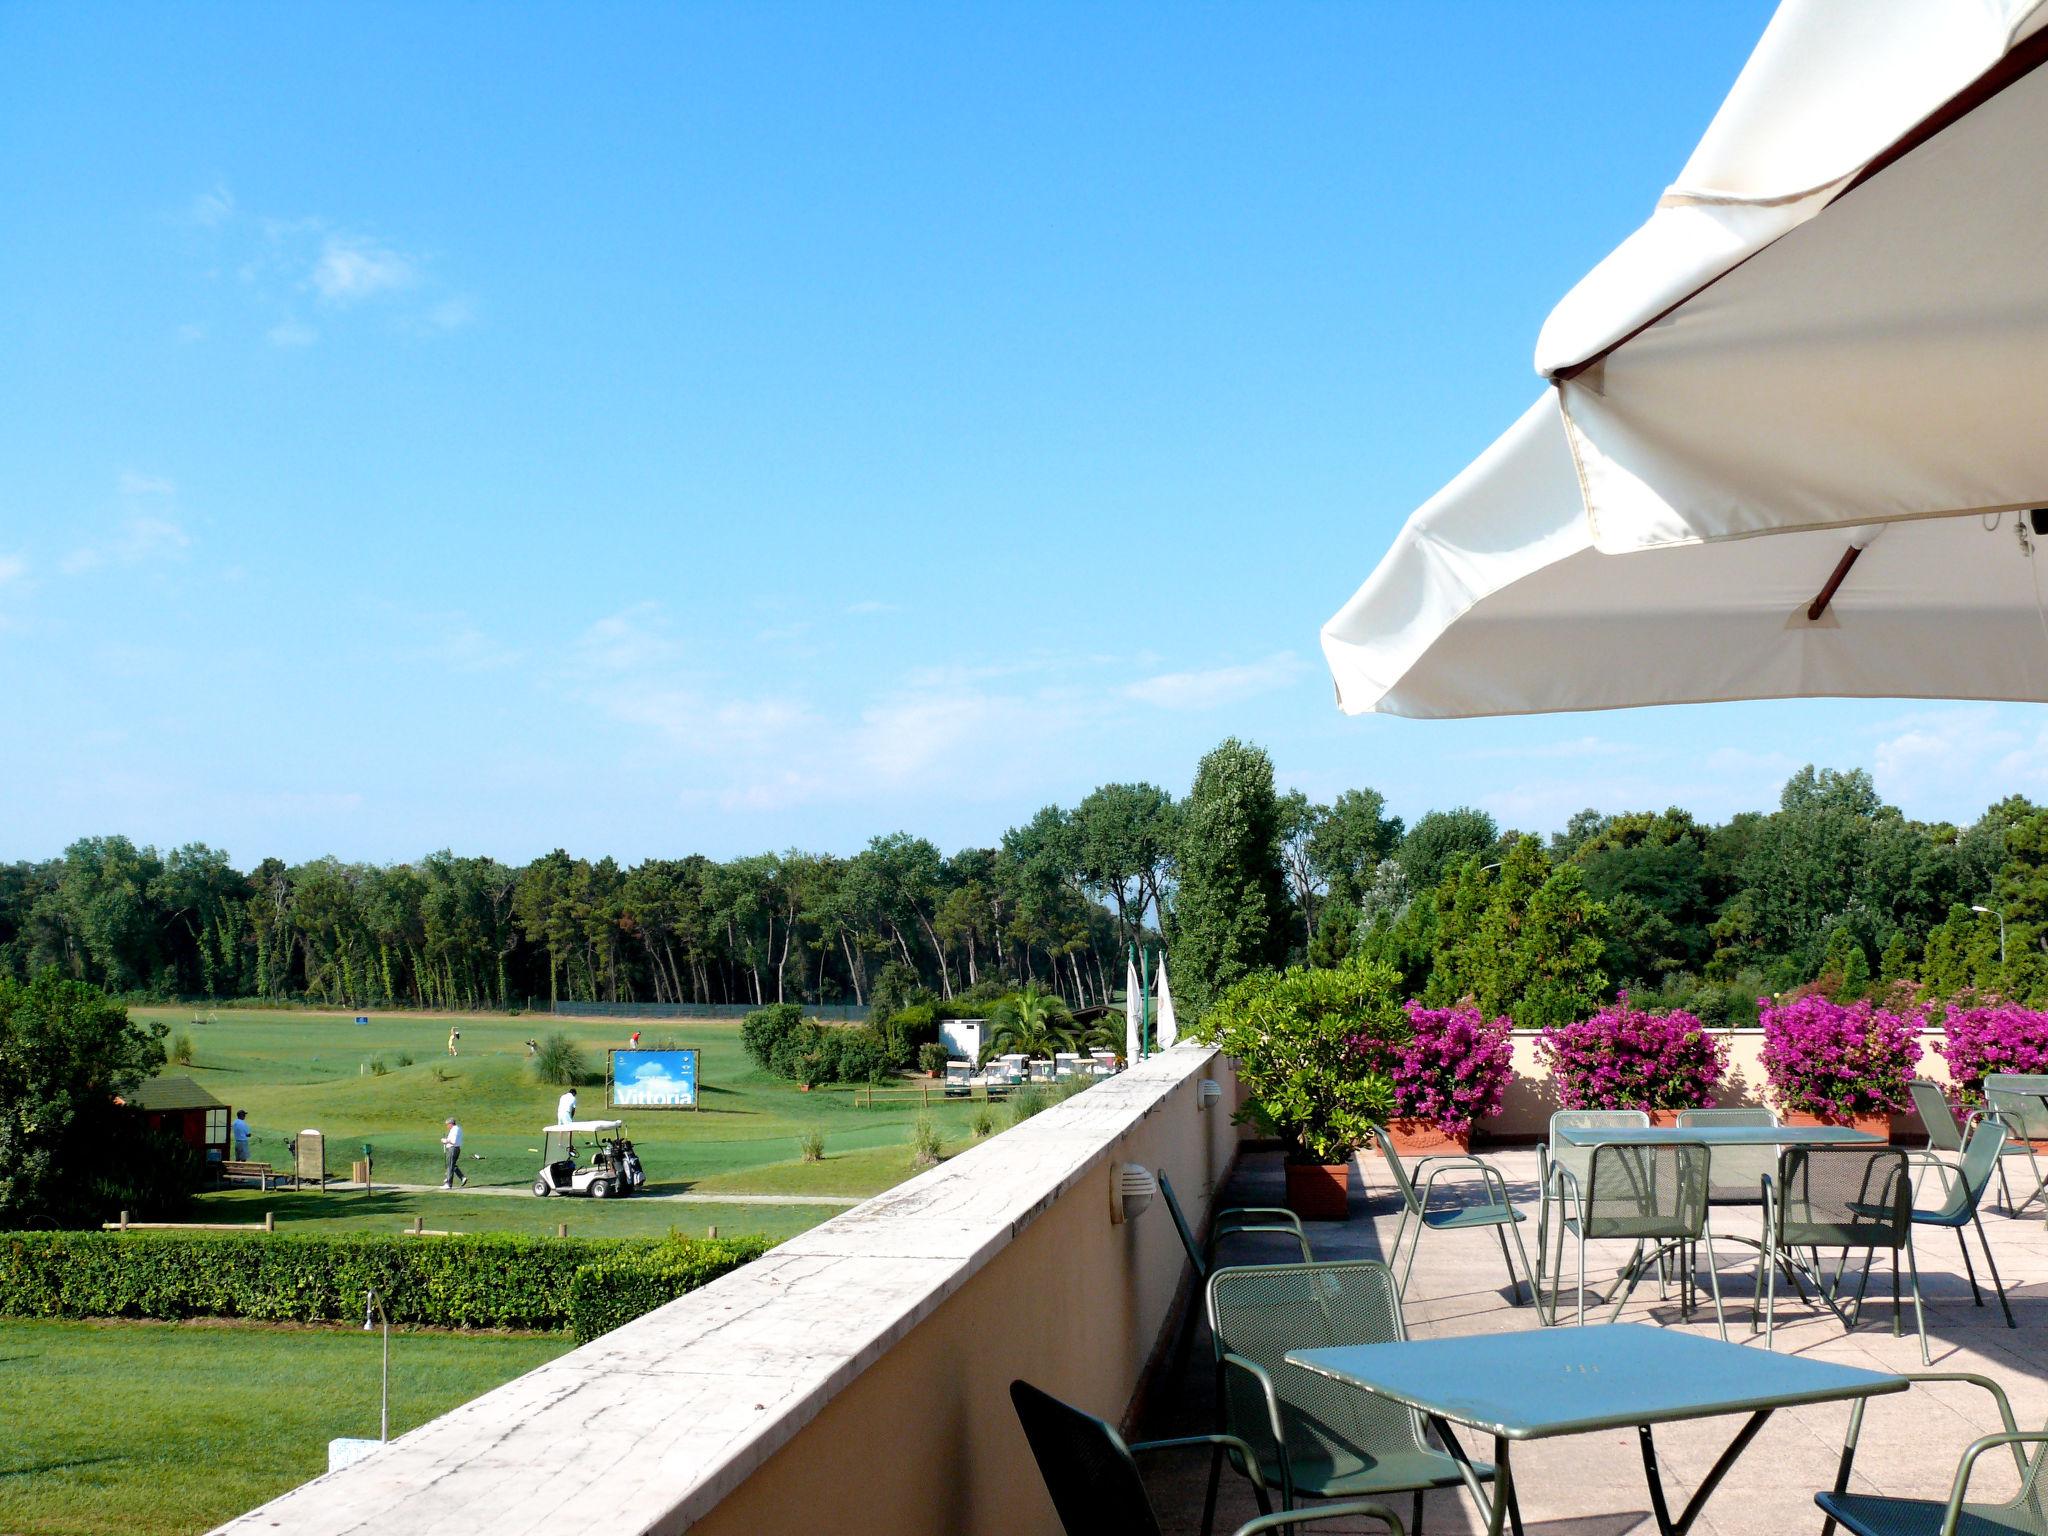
[1419, 1138]
[1666, 1118]
[1319, 1191]
[1874, 1125]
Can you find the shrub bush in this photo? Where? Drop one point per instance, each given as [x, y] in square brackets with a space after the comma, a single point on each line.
[560, 1061]
[1297, 1036]
[1625, 1057]
[1455, 1067]
[763, 1030]
[924, 1142]
[493, 1281]
[1993, 1037]
[1025, 1103]
[864, 1055]
[611, 1291]
[931, 1057]
[181, 1052]
[1836, 1060]
[983, 1124]
[811, 1146]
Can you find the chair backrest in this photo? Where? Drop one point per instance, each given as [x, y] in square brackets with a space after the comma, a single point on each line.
[1402, 1183]
[1932, 1105]
[2018, 1098]
[1647, 1191]
[1261, 1312]
[1843, 1197]
[1974, 1170]
[1187, 1233]
[1095, 1484]
[1735, 1175]
[1578, 1161]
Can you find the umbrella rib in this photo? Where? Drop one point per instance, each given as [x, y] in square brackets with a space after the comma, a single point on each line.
[1826, 595]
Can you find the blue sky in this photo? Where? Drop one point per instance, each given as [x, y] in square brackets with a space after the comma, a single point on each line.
[656, 429]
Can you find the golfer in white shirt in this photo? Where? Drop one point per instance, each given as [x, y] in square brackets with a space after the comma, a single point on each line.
[453, 1142]
[565, 1108]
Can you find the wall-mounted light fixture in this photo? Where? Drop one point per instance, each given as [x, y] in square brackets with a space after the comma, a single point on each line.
[1208, 1093]
[1131, 1189]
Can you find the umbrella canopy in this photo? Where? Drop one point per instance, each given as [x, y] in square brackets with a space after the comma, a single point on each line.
[1839, 313]
[1834, 332]
[1494, 601]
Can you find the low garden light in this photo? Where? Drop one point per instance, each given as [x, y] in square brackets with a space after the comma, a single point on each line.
[373, 1310]
[1131, 1192]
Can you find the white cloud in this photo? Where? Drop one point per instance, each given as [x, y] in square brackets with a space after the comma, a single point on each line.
[13, 568]
[139, 541]
[212, 208]
[1576, 748]
[190, 334]
[133, 484]
[451, 314]
[870, 605]
[291, 333]
[1206, 689]
[1953, 762]
[352, 268]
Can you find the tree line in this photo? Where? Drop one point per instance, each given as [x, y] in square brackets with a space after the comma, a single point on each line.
[1233, 876]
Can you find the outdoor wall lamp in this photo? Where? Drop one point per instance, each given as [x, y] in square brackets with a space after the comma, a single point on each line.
[373, 1308]
[1208, 1093]
[1131, 1189]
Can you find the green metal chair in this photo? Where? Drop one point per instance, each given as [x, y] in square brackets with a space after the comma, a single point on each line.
[1848, 1198]
[1578, 1161]
[1497, 1212]
[1097, 1489]
[1231, 1221]
[1963, 1186]
[1310, 1436]
[2019, 1102]
[1735, 1175]
[1870, 1514]
[1646, 1194]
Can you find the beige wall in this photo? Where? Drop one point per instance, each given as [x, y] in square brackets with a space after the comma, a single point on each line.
[1525, 1113]
[924, 1440]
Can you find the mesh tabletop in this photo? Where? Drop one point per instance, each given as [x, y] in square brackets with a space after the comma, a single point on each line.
[1716, 1135]
[1570, 1381]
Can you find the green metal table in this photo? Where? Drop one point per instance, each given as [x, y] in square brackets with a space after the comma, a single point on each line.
[1576, 1381]
[1711, 1136]
[1716, 1135]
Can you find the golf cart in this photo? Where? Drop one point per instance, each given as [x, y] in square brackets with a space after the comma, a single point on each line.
[609, 1165]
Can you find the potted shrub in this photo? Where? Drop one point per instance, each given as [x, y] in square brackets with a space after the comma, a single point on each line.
[1831, 1063]
[1293, 1035]
[1452, 1072]
[1625, 1057]
[1992, 1036]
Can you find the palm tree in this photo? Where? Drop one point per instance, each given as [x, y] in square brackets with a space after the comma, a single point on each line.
[1032, 1022]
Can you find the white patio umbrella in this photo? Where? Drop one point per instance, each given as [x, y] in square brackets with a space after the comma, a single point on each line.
[1839, 312]
[1836, 322]
[1493, 601]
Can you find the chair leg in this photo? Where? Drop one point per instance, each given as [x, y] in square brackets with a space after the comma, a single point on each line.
[2006, 1185]
[1582, 1274]
[1714, 1283]
[1209, 1499]
[1535, 1297]
[1992, 1265]
[1415, 1524]
[1634, 1278]
[1507, 1262]
[1969, 1269]
[1771, 1306]
[1414, 1247]
[1919, 1309]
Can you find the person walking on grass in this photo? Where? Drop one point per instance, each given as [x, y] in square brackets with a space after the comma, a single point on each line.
[565, 1108]
[241, 1130]
[453, 1036]
[453, 1142]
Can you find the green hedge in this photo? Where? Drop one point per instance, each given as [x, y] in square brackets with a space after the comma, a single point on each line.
[497, 1281]
[619, 1287]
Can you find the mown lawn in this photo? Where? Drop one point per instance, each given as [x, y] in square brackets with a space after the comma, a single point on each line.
[293, 1070]
[161, 1429]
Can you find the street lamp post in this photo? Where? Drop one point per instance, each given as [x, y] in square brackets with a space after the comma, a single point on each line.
[1994, 912]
